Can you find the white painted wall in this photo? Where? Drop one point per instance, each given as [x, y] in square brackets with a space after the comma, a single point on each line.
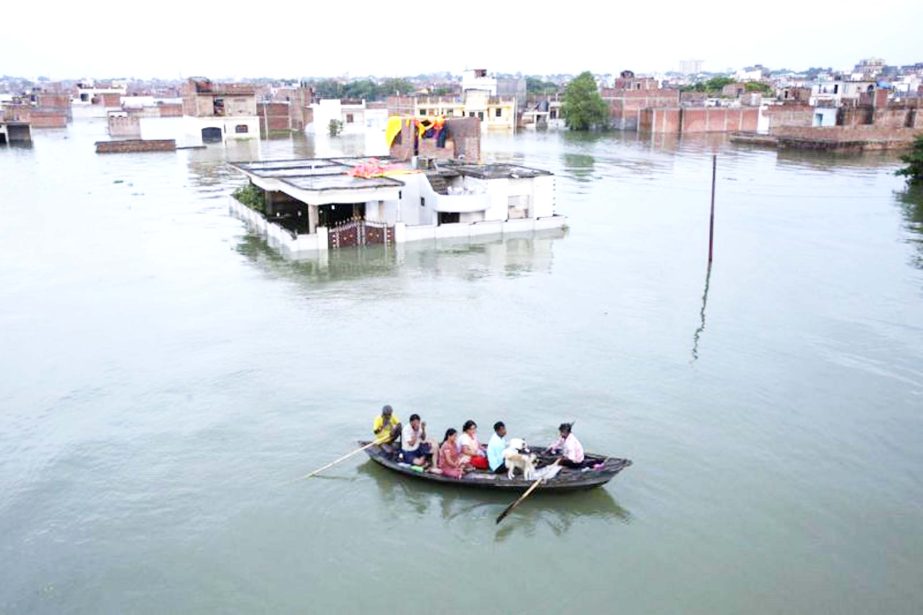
[187, 130]
[824, 116]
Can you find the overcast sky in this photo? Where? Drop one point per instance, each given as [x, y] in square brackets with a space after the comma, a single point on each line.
[171, 39]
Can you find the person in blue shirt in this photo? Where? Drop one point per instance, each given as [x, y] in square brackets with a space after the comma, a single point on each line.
[495, 448]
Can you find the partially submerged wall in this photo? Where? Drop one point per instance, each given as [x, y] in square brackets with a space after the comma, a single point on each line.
[135, 145]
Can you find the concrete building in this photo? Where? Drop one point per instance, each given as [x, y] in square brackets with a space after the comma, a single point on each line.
[89, 92]
[543, 113]
[824, 116]
[296, 98]
[481, 98]
[14, 132]
[690, 67]
[218, 112]
[311, 206]
[834, 92]
[355, 116]
[39, 109]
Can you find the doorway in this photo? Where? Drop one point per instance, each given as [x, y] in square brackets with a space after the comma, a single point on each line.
[212, 134]
[338, 213]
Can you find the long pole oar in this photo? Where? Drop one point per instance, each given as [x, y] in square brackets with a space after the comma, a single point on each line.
[343, 458]
[528, 492]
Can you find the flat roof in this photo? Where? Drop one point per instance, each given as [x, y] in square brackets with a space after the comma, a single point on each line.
[318, 174]
[496, 170]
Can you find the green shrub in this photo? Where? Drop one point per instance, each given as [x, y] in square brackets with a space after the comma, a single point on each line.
[252, 196]
[914, 160]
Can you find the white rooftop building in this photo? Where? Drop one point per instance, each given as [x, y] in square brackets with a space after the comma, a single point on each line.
[313, 205]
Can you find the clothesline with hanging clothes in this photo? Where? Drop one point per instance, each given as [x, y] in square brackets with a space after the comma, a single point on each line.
[376, 168]
[427, 128]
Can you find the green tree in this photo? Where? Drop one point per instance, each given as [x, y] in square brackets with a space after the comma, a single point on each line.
[757, 86]
[329, 88]
[334, 128]
[534, 85]
[584, 108]
[715, 84]
[914, 160]
[363, 89]
[396, 87]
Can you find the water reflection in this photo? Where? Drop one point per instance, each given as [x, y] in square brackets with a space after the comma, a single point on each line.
[557, 512]
[498, 256]
[836, 162]
[698, 332]
[911, 202]
[579, 167]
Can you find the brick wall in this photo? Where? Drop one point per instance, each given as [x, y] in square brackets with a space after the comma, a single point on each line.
[463, 140]
[854, 116]
[789, 115]
[56, 101]
[695, 120]
[47, 118]
[278, 115]
[625, 106]
[661, 121]
[849, 133]
[170, 109]
[109, 100]
[124, 126]
[466, 133]
[400, 105]
[135, 145]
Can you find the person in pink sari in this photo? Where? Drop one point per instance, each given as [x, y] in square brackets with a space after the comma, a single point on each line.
[450, 460]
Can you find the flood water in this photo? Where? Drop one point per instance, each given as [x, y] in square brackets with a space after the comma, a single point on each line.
[164, 376]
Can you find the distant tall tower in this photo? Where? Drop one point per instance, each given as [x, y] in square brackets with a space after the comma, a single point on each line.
[690, 67]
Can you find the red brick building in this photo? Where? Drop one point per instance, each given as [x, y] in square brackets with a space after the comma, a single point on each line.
[626, 106]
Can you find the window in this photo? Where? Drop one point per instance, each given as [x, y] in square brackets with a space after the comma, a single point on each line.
[553, 114]
[836, 89]
[499, 112]
[349, 118]
[241, 129]
[481, 115]
[422, 202]
[471, 114]
[422, 111]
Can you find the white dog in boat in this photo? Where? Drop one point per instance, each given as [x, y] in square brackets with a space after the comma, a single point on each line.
[514, 457]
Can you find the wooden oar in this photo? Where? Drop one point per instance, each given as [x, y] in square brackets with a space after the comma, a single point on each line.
[528, 492]
[343, 458]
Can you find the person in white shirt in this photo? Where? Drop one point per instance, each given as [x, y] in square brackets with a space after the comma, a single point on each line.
[416, 448]
[568, 447]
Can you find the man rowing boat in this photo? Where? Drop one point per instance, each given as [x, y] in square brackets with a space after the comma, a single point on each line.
[386, 426]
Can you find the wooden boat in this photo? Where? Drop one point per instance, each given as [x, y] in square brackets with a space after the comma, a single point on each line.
[566, 480]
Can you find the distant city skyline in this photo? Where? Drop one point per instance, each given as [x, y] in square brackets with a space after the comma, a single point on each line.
[173, 40]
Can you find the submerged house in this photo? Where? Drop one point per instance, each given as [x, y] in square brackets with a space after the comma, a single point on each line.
[314, 205]
[219, 112]
[431, 187]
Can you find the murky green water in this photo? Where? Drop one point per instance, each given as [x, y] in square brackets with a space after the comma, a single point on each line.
[164, 376]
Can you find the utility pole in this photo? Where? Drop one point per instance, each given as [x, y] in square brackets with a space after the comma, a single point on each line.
[711, 222]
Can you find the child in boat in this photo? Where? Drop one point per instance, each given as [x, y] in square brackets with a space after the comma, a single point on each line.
[568, 447]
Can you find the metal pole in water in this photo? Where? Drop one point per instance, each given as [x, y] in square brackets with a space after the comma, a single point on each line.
[711, 222]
